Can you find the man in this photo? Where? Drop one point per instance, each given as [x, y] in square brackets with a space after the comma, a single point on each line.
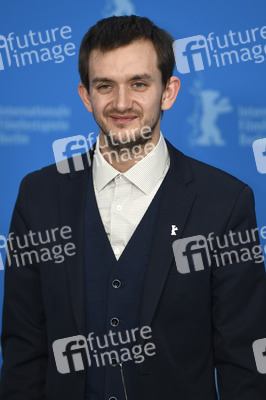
[127, 211]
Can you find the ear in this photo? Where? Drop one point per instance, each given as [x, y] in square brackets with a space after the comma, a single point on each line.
[85, 97]
[170, 93]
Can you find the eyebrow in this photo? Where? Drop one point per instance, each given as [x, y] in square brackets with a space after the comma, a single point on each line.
[133, 78]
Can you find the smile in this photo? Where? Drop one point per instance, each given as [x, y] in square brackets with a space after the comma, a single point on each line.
[122, 119]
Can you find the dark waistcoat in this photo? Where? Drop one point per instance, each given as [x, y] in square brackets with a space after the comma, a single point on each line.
[113, 299]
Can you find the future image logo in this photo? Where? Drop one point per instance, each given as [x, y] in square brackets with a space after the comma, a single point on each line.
[195, 53]
[198, 253]
[70, 150]
[28, 249]
[76, 353]
[41, 47]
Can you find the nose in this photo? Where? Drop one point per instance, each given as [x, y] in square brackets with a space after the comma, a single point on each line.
[123, 99]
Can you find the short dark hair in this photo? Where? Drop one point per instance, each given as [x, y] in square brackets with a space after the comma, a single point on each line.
[111, 33]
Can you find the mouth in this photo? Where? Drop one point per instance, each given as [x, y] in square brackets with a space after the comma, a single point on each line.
[122, 119]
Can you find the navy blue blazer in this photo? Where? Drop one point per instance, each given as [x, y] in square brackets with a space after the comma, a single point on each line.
[200, 321]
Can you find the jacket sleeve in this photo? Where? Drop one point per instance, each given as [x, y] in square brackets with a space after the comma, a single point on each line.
[24, 344]
[239, 306]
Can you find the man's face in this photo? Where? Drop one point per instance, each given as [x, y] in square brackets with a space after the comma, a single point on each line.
[126, 91]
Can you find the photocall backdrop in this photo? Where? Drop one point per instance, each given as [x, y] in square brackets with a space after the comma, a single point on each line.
[220, 110]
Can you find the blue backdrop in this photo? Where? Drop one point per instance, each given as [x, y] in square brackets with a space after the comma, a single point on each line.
[220, 111]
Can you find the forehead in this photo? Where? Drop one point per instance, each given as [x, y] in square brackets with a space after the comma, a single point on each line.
[138, 57]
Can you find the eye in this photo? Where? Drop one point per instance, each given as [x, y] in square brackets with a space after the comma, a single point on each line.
[139, 85]
[104, 87]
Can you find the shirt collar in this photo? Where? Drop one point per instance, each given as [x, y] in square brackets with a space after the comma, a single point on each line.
[144, 174]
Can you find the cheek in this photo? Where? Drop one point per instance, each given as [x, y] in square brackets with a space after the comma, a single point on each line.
[150, 103]
[155, 99]
[152, 107]
[98, 99]
[98, 105]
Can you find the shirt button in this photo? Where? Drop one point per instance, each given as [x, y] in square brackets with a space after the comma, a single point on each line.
[112, 398]
[119, 208]
[118, 177]
[116, 283]
[116, 251]
[114, 321]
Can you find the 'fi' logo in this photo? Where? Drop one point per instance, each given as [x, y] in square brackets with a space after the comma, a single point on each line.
[4, 246]
[191, 254]
[191, 53]
[259, 350]
[70, 148]
[259, 150]
[4, 45]
[71, 354]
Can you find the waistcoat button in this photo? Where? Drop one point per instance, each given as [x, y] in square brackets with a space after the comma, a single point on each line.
[116, 283]
[114, 321]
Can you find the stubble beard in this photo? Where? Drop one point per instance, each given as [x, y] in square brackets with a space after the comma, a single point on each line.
[120, 143]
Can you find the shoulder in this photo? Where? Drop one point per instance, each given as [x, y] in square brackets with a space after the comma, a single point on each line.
[212, 175]
[200, 171]
[57, 174]
[210, 182]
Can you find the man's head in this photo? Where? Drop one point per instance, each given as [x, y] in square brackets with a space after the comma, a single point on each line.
[126, 65]
[111, 33]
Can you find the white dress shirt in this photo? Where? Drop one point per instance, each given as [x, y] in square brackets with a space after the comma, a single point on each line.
[123, 198]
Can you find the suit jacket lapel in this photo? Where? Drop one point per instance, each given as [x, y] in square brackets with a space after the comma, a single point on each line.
[176, 202]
